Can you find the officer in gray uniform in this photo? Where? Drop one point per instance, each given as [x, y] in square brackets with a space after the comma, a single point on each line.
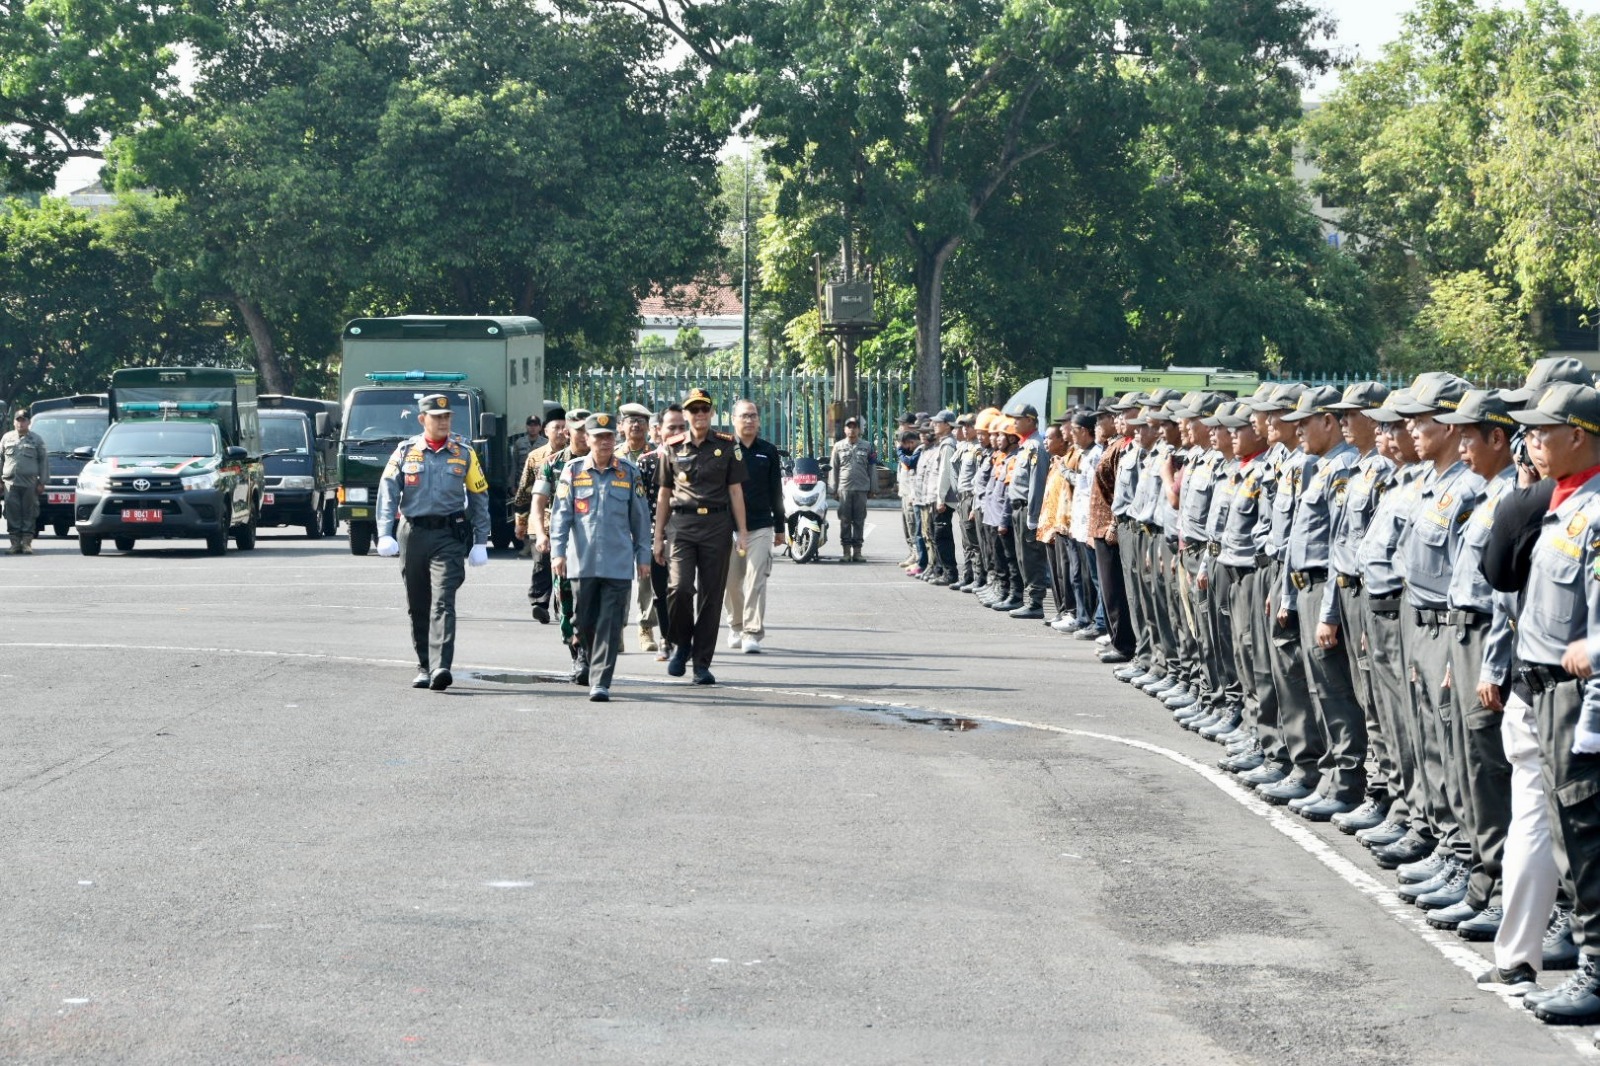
[25, 469]
[1345, 606]
[600, 541]
[852, 465]
[1023, 498]
[1306, 589]
[1445, 498]
[1405, 836]
[1561, 608]
[433, 512]
[967, 450]
[1483, 773]
[1302, 744]
[1213, 591]
[1196, 488]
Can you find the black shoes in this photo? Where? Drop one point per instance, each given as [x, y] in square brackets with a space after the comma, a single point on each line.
[1369, 814]
[702, 676]
[678, 665]
[422, 679]
[1407, 849]
[1560, 953]
[1324, 809]
[1027, 612]
[1483, 925]
[541, 614]
[440, 680]
[599, 695]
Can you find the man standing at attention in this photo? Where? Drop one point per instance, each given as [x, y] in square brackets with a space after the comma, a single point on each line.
[702, 487]
[26, 472]
[764, 518]
[433, 505]
[850, 469]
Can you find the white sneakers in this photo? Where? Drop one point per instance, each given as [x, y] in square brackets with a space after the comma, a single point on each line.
[752, 646]
[735, 639]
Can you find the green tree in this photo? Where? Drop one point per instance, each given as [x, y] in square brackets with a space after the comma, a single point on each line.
[1469, 326]
[73, 72]
[915, 118]
[77, 300]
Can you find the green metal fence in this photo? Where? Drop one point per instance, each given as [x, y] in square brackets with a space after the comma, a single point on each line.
[793, 406]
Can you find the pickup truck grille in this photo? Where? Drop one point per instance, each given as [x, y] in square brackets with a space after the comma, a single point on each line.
[122, 483]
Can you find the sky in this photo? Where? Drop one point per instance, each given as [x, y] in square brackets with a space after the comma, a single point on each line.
[1364, 27]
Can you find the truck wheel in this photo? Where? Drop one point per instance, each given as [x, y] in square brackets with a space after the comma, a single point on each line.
[314, 525]
[217, 543]
[124, 544]
[61, 529]
[245, 535]
[89, 545]
[360, 538]
[330, 518]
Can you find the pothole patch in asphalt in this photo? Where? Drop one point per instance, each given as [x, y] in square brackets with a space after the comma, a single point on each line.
[945, 723]
[521, 679]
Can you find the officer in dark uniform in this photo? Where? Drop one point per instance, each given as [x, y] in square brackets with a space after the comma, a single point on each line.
[702, 478]
[433, 512]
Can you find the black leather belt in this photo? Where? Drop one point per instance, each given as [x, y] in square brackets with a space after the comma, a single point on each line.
[1541, 679]
[699, 510]
[1263, 560]
[434, 521]
[1467, 618]
[1433, 618]
[1349, 581]
[1195, 547]
[1304, 579]
[1150, 527]
[1385, 604]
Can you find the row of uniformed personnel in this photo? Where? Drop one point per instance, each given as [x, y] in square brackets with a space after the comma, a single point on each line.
[1353, 593]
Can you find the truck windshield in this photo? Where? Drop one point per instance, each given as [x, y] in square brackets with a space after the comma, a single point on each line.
[65, 431]
[141, 440]
[389, 414]
[284, 436]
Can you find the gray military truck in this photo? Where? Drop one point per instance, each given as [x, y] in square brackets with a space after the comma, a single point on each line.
[491, 368]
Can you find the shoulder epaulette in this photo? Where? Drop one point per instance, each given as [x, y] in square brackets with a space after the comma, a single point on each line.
[723, 436]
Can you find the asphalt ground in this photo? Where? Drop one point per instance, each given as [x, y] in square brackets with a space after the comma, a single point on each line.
[910, 831]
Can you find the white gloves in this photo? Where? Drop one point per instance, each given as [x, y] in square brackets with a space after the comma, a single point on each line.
[388, 547]
[478, 555]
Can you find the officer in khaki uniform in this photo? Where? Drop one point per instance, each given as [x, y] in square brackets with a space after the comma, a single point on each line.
[26, 472]
[700, 503]
[433, 512]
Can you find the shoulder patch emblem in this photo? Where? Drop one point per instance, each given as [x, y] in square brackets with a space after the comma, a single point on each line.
[1579, 522]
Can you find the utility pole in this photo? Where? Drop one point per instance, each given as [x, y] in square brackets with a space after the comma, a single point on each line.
[744, 286]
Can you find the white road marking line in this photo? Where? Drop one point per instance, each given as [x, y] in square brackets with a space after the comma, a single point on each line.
[1454, 951]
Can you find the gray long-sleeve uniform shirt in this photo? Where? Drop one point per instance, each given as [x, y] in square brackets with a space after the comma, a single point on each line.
[1427, 553]
[1321, 494]
[600, 520]
[421, 482]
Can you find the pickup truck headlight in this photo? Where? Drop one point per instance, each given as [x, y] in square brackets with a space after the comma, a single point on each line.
[207, 480]
[94, 484]
[298, 481]
[354, 495]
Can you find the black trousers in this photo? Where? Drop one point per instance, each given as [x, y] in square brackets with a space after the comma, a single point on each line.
[540, 584]
[1108, 561]
[943, 555]
[697, 562]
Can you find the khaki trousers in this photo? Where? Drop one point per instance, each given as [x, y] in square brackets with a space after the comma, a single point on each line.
[746, 598]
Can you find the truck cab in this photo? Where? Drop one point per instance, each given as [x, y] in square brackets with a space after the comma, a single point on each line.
[181, 458]
[299, 442]
[67, 424]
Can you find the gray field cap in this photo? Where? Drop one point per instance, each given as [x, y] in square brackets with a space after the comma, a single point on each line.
[1565, 403]
[1362, 395]
[1433, 392]
[1480, 405]
[1546, 372]
[1388, 412]
[1317, 401]
[1284, 395]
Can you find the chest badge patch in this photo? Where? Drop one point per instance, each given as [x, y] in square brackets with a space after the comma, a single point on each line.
[717, 453]
[1579, 522]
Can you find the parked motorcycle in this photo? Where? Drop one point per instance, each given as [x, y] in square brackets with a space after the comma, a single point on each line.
[805, 500]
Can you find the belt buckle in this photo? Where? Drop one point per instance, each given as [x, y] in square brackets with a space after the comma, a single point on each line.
[1299, 580]
[701, 510]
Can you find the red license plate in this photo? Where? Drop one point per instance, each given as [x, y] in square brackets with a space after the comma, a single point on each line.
[266, 500]
[142, 514]
[62, 497]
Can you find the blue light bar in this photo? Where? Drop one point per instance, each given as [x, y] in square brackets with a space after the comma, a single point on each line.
[416, 375]
[170, 406]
